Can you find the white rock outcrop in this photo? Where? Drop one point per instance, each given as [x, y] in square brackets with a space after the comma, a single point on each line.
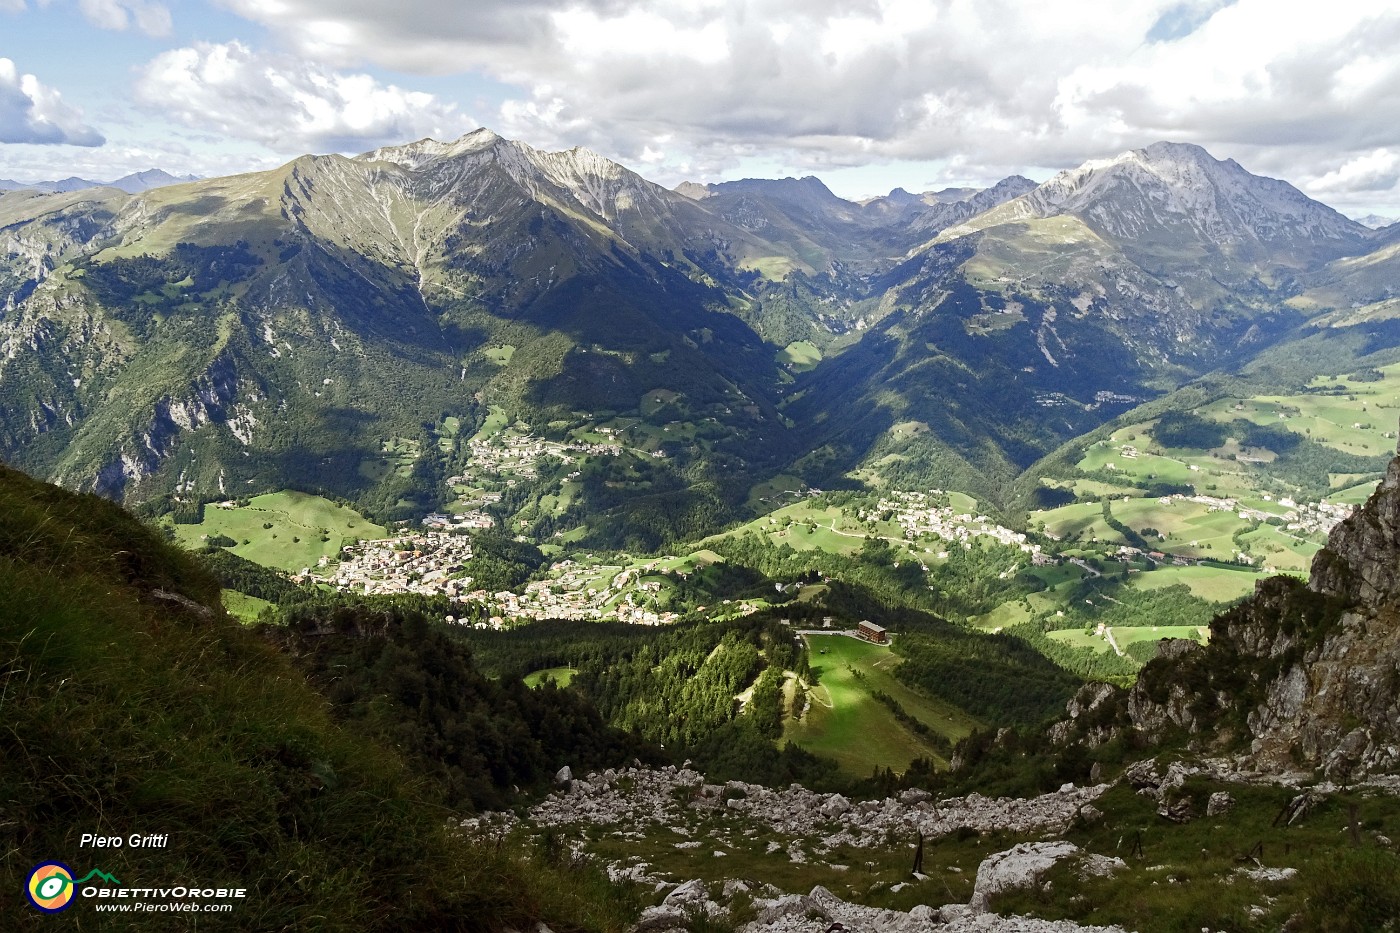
[1017, 868]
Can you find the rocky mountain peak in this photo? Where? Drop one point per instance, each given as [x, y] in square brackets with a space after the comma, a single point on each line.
[134, 183]
[808, 191]
[1177, 192]
[951, 195]
[1019, 184]
[599, 184]
[137, 182]
[1374, 221]
[901, 196]
[416, 155]
[693, 190]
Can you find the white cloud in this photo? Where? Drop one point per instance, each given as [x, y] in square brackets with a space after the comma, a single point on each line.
[288, 104]
[1374, 171]
[1291, 86]
[33, 113]
[151, 18]
[12, 6]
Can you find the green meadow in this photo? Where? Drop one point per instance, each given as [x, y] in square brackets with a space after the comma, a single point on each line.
[562, 676]
[800, 356]
[845, 721]
[1125, 635]
[1218, 585]
[287, 530]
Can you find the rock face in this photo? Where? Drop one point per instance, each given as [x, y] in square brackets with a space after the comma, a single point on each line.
[1361, 563]
[1298, 676]
[1091, 713]
[1335, 703]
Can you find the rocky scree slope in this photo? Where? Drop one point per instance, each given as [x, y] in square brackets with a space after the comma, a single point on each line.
[810, 826]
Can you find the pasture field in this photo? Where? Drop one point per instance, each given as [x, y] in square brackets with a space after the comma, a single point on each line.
[396, 455]
[1144, 468]
[844, 720]
[1280, 550]
[243, 607]
[1006, 615]
[800, 356]
[1353, 495]
[1125, 635]
[451, 427]
[496, 421]
[1191, 529]
[287, 530]
[563, 676]
[1184, 528]
[783, 488]
[789, 525]
[654, 400]
[1093, 489]
[962, 502]
[1078, 638]
[1355, 420]
[801, 537]
[1214, 584]
[500, 355]
[1078, 520]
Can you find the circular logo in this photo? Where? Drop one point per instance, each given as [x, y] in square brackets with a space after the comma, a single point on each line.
[50, 887]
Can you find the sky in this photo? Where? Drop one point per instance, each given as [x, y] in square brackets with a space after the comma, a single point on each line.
[868, 95]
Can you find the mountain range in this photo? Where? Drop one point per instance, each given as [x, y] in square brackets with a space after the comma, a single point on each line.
[307, 325]
[131, 184]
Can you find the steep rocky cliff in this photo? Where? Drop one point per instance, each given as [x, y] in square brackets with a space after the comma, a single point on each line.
[1298, 677]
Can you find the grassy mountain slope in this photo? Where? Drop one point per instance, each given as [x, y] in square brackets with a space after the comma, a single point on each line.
[285, 328]
[130, 707]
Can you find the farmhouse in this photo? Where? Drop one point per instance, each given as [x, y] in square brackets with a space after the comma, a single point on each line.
[872, 632]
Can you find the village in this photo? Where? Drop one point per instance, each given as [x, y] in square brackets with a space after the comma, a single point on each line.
[920, 516]
[508, 454]
[433, 563]
[517, 453]
[1307, 517]
[434, 560]
[428, 563]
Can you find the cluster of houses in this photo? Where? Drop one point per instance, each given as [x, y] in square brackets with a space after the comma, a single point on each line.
[434, 563]
[579, 592]
[429, 563]
[1319, 517]
[920, 515]
[1113, 398]
[516, 454]
[472, 519]
[1314, 517]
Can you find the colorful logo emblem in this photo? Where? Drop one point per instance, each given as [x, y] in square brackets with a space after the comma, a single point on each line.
[50, 887]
